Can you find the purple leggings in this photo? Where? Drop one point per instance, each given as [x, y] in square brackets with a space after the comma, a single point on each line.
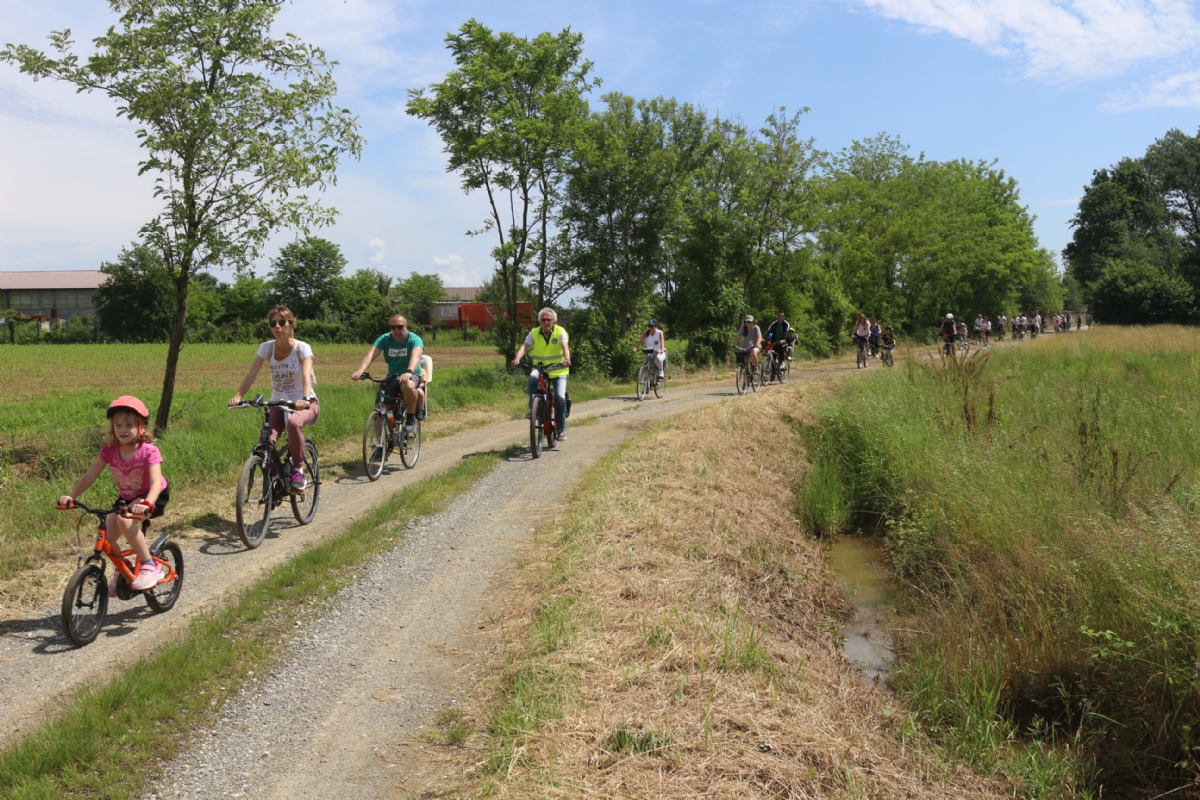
[296, 420]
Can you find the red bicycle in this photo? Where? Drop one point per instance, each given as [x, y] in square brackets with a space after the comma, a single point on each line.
[542, 424]
[85, 601]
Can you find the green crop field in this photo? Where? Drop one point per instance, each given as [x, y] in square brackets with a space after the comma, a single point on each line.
[1039, 510]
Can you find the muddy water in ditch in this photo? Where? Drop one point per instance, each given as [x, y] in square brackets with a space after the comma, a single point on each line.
[858, 566]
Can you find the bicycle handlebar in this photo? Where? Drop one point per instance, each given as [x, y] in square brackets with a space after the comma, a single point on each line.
[531, 365]
[120, 510]
[257, 402]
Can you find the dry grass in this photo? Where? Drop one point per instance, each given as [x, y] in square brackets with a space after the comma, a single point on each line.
[691, 627]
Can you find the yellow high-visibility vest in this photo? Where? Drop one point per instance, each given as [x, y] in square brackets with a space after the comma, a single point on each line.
[550, 352]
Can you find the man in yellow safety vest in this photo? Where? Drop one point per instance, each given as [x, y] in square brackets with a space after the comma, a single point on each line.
[547, 344]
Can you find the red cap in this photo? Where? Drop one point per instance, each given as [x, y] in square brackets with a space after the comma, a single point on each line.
[129, 403]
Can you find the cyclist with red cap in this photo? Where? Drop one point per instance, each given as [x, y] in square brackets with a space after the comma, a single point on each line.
[136, 466]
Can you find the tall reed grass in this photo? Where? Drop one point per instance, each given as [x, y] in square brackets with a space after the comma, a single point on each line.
[1038, 504]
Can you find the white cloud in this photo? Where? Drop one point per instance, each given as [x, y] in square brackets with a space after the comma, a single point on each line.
[454, 271]
[1178, 91]
[377, 245]
[1062, 40]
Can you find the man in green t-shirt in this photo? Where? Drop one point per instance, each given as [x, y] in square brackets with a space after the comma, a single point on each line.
[402, 349]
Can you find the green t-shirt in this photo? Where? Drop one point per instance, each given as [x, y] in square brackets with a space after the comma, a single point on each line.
[396, 354]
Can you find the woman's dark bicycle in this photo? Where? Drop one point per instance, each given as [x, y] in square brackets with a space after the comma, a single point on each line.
[746, 376]
[543, 427]
[864, 355]
[648, 377]
[385, 432]
[85, 600]
[775, 364]
[262, 486]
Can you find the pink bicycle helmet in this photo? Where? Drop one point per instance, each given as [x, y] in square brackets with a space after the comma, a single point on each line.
[128, 402]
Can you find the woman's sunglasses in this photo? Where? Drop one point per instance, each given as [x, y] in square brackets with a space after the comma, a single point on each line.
[278, 323]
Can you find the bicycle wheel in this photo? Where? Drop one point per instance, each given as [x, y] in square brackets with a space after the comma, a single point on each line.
[660, 385]
[375, 449]
[84, 605]
[410, 446]
[643, 382]
[253, 502]
[163, 596]
[535, 426]
[740, 378]
[304, 504]
[752, 376]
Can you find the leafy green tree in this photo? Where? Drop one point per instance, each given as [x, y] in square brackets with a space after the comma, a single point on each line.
[246, 301]
[136, 303]
[306, 275]
[504, 115]
[363, 303]
[624, 182]
[236, 125]
[1174, 164]
[1141, 293]
[417, 294]
[205, 299]
[1122, 209]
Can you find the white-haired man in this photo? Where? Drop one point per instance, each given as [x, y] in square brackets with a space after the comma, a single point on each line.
[547, 344]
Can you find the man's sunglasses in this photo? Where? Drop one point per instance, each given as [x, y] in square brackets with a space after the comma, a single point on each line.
[547, 319]
[277, 323]
[399, 327]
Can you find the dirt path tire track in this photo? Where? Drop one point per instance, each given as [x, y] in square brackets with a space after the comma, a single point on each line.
[38, 667]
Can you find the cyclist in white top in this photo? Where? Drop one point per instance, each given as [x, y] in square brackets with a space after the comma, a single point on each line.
[749, 336]
[655, 338]
[291, 363]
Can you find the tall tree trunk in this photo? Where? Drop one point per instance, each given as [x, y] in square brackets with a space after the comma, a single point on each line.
[543, 294]
[168, 390]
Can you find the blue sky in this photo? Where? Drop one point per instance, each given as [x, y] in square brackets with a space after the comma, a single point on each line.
[1050, 89]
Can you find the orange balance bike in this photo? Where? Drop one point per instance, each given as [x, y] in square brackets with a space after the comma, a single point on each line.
[85, 601]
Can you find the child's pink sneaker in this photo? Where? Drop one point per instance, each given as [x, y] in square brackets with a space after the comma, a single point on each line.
[112, 582]
[148, 575]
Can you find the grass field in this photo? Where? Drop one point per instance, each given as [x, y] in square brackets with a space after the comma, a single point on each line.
[53, 412]
[1039, 510]
[32, 373]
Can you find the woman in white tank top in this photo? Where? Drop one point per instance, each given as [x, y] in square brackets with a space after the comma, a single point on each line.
[654, 337]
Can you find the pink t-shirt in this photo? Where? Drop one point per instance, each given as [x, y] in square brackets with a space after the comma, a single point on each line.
[132, 476]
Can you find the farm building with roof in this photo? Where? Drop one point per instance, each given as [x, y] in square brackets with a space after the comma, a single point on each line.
[59, 294]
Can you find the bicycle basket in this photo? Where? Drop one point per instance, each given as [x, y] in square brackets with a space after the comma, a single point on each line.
[741, 357]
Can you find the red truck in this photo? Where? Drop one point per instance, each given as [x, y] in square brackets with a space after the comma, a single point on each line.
[484, 315]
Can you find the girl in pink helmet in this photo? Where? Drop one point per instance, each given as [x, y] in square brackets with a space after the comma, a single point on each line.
[136, 466]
